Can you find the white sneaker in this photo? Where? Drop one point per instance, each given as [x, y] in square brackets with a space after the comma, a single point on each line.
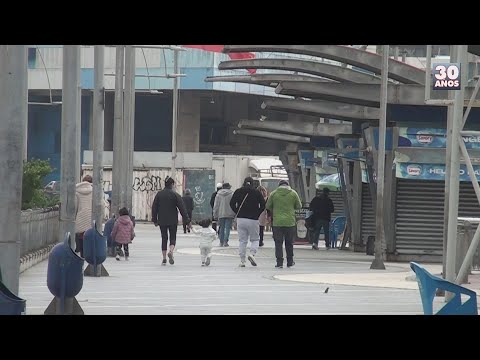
[117, 257]
[242, 264]
[251, 258]
[203, 263]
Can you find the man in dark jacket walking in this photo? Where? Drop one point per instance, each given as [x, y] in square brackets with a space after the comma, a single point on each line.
[189, 206]
[165, 214]
[322, 207]
[248, 203]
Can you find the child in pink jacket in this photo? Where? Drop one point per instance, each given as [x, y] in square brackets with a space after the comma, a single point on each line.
[123, 232]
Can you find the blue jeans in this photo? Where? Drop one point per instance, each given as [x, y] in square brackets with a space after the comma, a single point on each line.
[225, 225]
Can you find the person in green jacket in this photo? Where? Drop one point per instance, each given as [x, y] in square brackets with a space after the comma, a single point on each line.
[281, 205]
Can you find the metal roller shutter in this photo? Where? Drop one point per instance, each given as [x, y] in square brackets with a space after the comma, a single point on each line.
[419, 215]
[368, 213]
[337, 200]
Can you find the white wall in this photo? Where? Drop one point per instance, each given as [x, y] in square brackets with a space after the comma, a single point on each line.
[151, 159]
[233, 168]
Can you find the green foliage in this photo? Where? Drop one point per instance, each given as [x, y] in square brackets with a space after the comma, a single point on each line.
[33, 196]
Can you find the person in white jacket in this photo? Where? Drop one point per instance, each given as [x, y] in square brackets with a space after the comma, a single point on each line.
[207, 237]
[83, 211]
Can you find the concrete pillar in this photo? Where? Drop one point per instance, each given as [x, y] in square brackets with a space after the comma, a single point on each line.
[70, 164]
[188, 127]
[13, 116]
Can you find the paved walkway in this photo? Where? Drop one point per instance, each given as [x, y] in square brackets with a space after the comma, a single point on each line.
[143, 286]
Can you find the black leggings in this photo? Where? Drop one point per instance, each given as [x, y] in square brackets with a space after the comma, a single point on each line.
[262, 229]
[125, 247]
[165, 229]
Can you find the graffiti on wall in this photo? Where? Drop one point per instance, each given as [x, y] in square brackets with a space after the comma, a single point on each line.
[147, 183]
[199, 196]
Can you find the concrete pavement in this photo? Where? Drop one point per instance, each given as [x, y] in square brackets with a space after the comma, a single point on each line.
[143, 286]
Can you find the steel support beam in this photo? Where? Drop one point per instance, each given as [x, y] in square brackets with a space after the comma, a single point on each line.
[300, 128]
[320, 108]
[362, 94]
[273, 135]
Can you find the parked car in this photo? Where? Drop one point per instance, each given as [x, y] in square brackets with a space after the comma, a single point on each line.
[332, 182]
[52, 189]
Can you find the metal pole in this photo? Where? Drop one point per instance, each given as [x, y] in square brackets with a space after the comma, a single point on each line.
[98, 134]
[453, 58]
[382, 129]
[428, 73]
[175, 114]
[13, 116]
[69, 165]
[117, 132]
[454, 174]
[129, 121]
[78, 118]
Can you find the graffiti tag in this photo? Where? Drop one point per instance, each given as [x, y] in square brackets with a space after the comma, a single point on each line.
[147, 183]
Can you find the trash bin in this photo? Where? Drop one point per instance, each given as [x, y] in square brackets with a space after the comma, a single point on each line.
[65, 270]
[94, 246]
[10, 304]
[107, 232]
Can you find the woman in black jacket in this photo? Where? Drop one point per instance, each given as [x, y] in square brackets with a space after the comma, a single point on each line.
[165, 215]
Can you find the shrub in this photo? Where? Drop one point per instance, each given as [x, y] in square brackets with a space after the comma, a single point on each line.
[33, 196]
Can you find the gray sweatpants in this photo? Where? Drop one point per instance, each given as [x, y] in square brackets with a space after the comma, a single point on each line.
[247, 228]
[205, 251]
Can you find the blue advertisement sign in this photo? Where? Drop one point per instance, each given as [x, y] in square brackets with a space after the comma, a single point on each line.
[306, 158]
[432, 138]
[431, 171]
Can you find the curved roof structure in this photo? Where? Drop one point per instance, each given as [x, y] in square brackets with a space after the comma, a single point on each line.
[334, 72]
[397, 70]
[270, 80]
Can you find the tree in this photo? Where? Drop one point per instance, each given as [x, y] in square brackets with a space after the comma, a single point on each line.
[34, 171]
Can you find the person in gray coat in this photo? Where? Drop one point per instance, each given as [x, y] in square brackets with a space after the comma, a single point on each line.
[224, 213]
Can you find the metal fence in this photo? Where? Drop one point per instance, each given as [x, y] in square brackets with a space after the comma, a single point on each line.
[39, 228]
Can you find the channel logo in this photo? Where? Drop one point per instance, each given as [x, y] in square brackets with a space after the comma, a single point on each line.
[446, 76]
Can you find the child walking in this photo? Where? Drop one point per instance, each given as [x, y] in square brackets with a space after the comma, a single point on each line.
[123, 233]
[207, 237]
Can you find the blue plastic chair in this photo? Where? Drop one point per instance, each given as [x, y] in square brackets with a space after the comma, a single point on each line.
[337, 227]
[428, 284]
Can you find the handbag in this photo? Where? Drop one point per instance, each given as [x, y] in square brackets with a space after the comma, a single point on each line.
[309, 220]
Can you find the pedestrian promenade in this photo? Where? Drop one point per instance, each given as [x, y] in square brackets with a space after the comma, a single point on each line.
[143, 286]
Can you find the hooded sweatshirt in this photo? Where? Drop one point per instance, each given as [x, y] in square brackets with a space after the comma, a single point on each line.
[221, 208]
[122, 232]
[83, 218]
[253, 203]
[282, 203]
